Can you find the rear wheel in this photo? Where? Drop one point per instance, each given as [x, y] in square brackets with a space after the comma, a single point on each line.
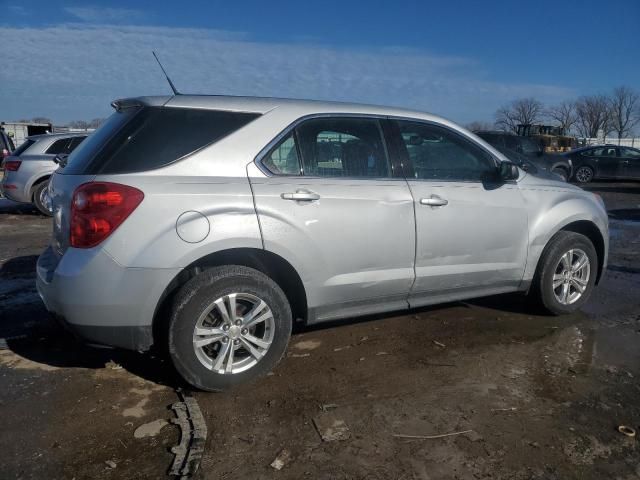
[567, 273]
[584, 174]
[41, 198]
[229, 325]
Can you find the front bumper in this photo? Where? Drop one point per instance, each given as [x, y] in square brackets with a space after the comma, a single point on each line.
[100, 300]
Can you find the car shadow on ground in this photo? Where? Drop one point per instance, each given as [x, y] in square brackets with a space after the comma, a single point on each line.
[27, 330]
[7, 207]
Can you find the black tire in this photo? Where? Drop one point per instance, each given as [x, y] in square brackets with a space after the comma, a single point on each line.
[38, 191]
[584, 174]
[195, 296]
[561, 172]
[542, 289]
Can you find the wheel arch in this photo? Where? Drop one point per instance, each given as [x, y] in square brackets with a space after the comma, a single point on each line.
[593, 233]
[37, 181]
[590, 230]
[269, 263]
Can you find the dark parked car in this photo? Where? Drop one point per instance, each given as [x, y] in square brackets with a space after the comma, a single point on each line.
[531, 149]
[604, 161]
[6, 145]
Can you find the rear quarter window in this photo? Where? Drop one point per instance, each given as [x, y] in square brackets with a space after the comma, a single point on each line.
[59, 146]
[152, 137]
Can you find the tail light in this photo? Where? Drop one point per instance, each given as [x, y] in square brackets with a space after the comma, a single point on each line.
[98, 208]
[12, 165]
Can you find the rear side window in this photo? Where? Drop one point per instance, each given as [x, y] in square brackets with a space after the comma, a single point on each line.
[343, 147]
[59, 146]
[147, 138]
[22, 148]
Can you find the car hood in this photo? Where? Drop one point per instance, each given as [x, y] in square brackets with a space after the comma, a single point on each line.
[547, 179]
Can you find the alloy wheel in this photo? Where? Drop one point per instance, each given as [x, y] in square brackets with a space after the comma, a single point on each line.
[584, 175]
[233, 333]
[571, 277]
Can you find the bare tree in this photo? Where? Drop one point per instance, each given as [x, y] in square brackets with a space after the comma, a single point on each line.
[78, 124]
[565, 114]
[625, 110]
[96, 122]
[479, 125]
[594, 116]
[524, 111]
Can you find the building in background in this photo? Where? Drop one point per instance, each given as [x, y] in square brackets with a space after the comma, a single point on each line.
[18, 131]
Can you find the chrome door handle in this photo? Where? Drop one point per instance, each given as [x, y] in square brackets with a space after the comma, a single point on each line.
[300, 196]
[434, 201]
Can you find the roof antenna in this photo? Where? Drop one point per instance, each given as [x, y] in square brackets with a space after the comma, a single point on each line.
[173, 87]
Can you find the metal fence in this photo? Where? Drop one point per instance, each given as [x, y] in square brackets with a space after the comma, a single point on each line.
[623, 142]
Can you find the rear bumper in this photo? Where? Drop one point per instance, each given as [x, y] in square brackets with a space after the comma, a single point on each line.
[12, 188]
[98, 299]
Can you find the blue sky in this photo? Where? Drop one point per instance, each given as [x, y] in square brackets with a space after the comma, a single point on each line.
[460, 59]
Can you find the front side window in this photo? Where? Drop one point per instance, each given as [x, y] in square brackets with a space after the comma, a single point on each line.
[343, 147]
[630, 153]
[603, 152]
[440, 154]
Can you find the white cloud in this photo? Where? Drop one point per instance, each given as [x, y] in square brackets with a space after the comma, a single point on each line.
[104, 14]
[73, 71]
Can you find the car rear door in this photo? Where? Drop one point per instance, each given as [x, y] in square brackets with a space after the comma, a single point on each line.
[328, 201]
[471, 230]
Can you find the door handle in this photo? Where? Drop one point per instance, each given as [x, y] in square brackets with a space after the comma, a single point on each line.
[434, 201]
[300, 196]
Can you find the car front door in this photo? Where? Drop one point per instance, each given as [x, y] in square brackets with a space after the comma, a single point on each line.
[631, 162]
[328, 202]
[471, 229]
[608, 162]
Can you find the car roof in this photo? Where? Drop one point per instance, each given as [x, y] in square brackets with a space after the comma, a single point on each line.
[264, 105]
[46, 136]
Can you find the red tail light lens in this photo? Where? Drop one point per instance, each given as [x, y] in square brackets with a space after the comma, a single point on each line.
[98, 208]
[12, 165]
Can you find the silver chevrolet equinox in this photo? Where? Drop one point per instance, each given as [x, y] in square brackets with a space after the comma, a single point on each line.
[209, 224]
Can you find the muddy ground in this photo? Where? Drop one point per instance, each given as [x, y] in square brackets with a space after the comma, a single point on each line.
[543, 396]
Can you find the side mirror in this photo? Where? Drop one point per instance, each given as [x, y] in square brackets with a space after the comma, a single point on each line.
[508, 171]
[61, 159]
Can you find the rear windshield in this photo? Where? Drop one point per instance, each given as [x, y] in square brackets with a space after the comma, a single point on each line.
[145, 138]
[20, 150]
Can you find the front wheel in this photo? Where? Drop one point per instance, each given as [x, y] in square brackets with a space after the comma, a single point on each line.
[567, 273]
[229, 325]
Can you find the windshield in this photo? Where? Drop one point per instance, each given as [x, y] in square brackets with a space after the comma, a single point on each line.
[82, 156]
[25, 145]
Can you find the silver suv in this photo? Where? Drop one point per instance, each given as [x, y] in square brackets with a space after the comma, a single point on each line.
[27, 170]
[209, 224]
